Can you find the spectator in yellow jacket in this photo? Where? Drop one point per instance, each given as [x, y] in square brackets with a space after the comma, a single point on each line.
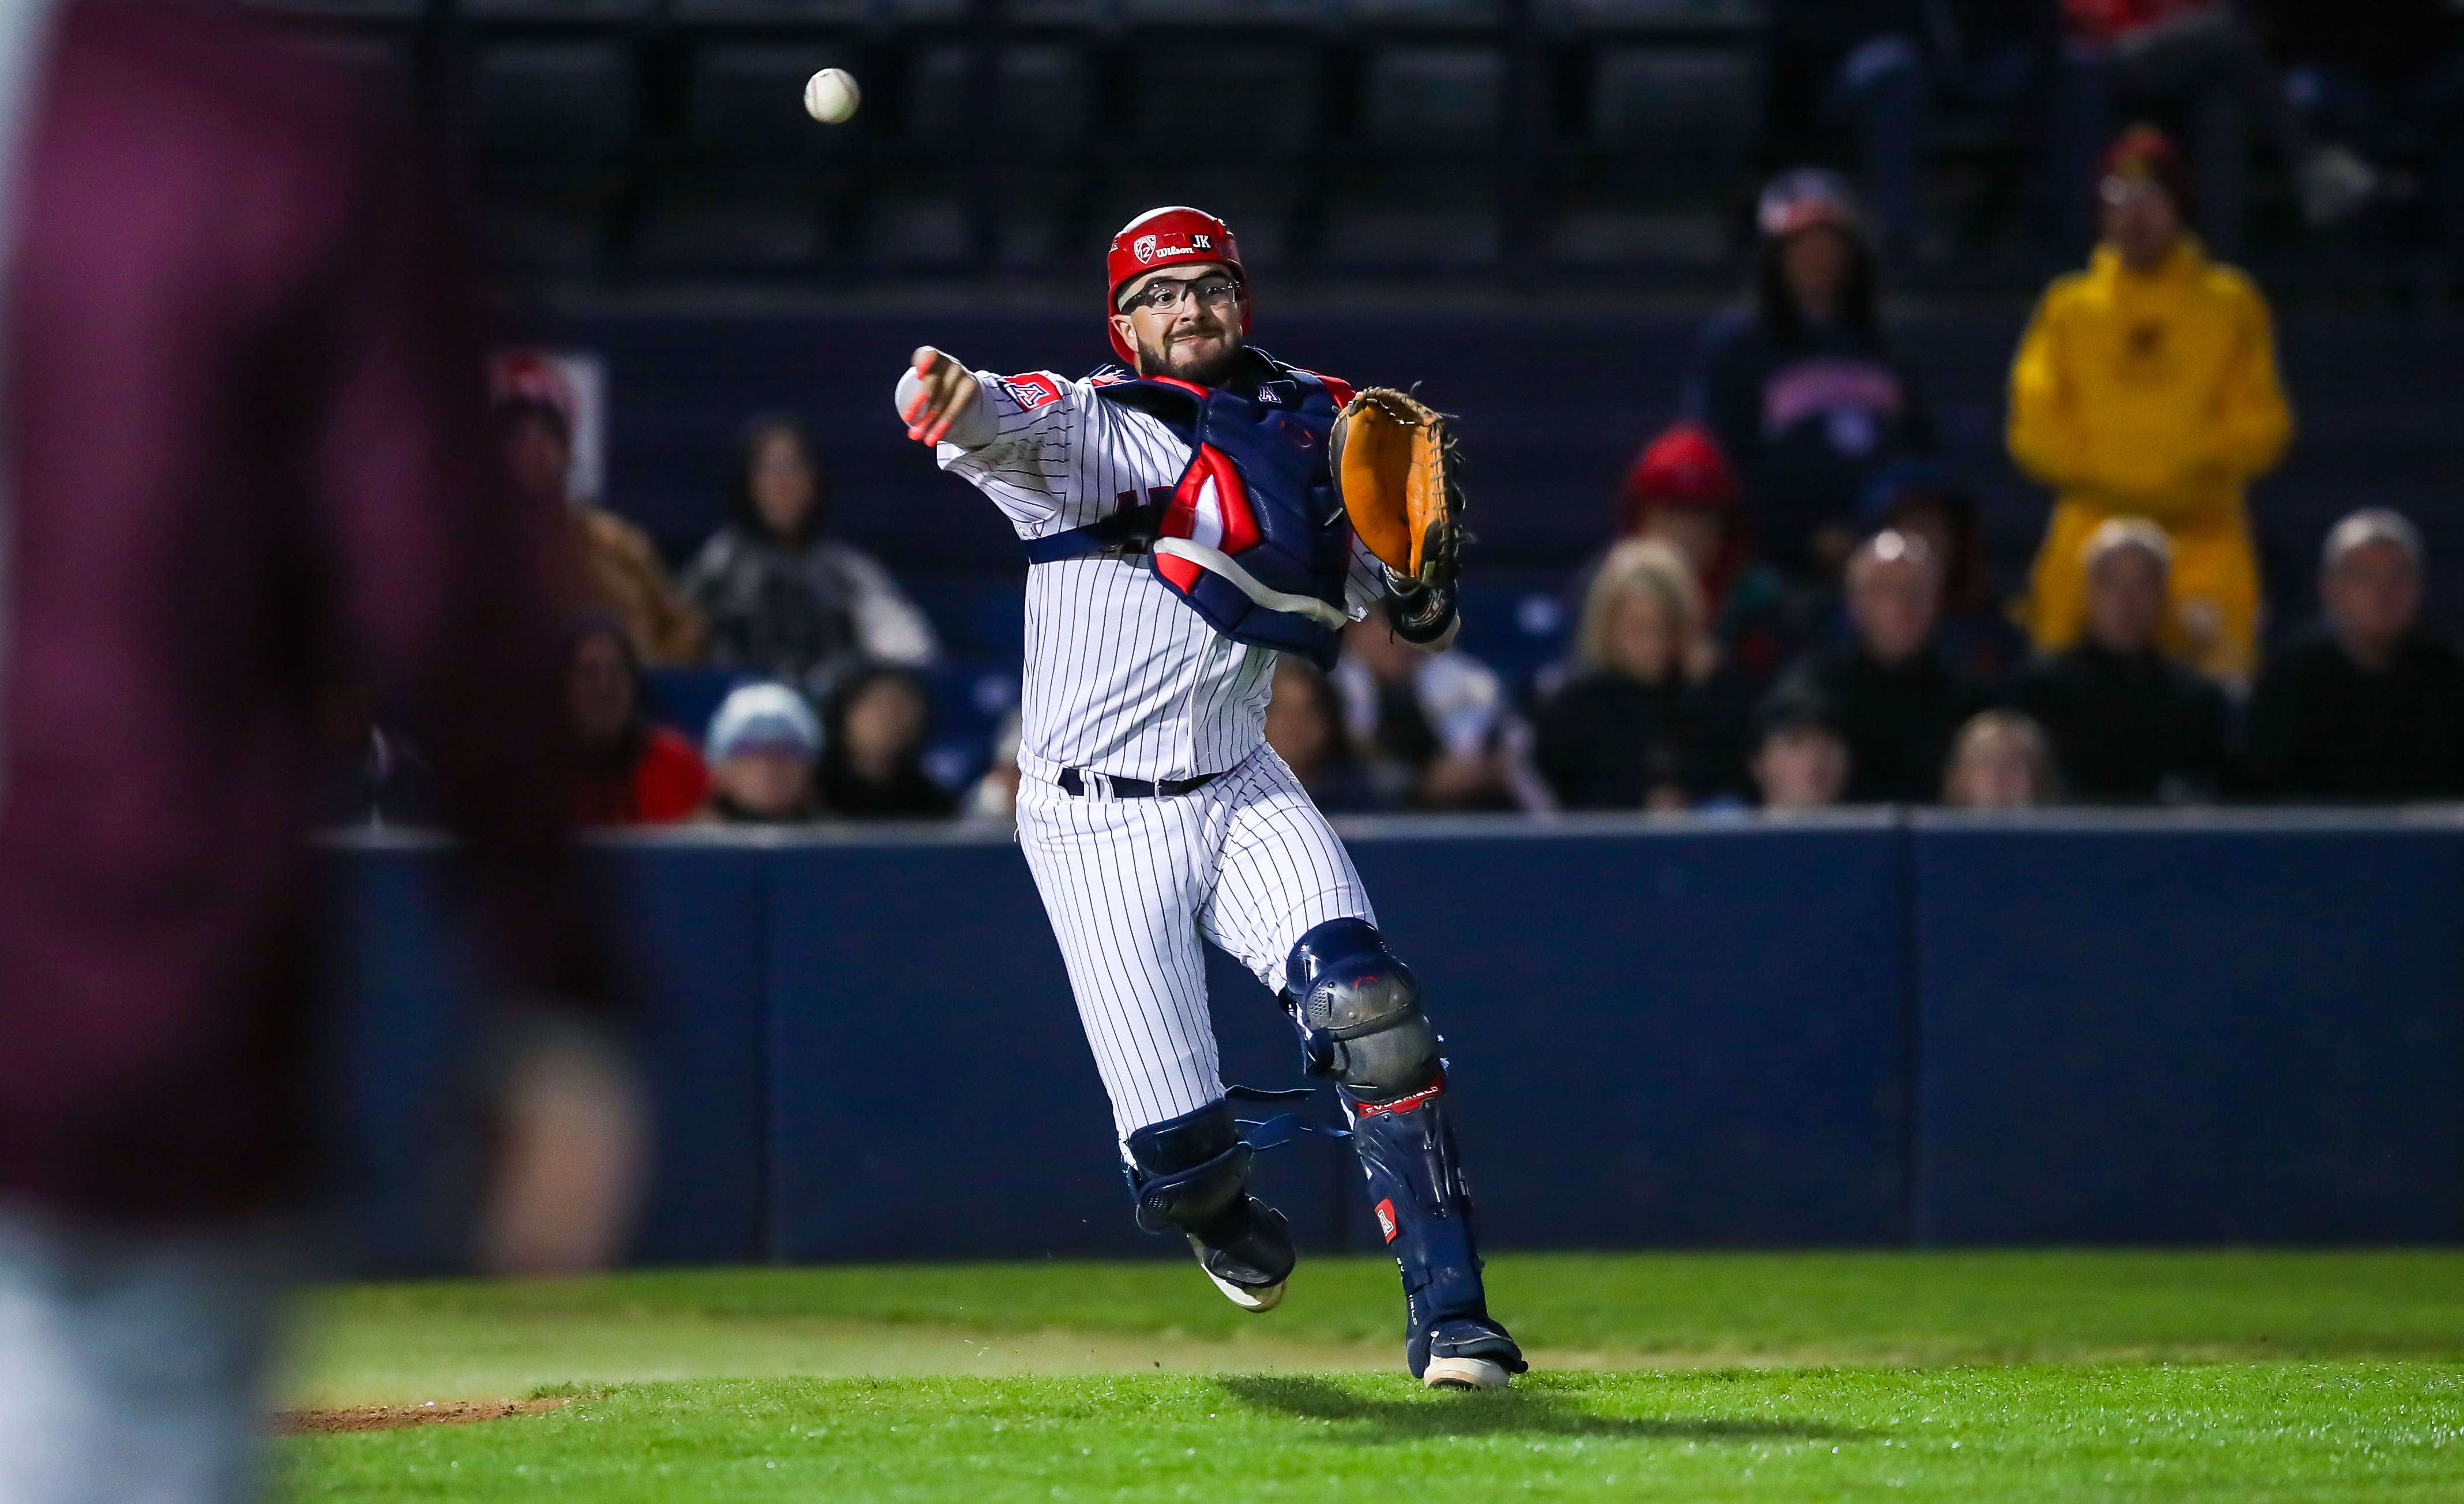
[2146, 386]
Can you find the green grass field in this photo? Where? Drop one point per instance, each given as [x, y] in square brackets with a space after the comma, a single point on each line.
[1831, 1377]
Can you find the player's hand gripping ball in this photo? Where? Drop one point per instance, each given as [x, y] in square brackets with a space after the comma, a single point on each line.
[830, 96]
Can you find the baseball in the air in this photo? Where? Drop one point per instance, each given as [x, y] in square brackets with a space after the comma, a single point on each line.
[830, 96]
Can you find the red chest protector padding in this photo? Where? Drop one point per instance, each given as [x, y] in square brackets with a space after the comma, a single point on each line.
[1254, 536]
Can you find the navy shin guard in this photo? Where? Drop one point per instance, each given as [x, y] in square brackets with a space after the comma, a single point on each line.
[1361, 1023]
[1424, 1212]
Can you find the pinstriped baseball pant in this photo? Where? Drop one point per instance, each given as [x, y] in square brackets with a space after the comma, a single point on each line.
[1133, 885]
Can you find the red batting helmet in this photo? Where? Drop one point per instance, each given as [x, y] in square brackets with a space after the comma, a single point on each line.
[1158, 238]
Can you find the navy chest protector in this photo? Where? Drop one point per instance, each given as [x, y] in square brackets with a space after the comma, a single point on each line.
[1253, 537]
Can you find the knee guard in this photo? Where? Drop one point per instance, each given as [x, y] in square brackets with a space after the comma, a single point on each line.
[1359, 1012]
[1191, 1175]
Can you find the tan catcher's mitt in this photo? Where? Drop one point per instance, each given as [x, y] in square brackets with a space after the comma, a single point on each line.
[1393, 464]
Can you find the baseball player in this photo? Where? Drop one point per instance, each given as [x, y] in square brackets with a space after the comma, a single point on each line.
[1182, 525]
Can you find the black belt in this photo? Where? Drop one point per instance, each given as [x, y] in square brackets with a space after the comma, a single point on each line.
[1137, 788]
[1127, 534]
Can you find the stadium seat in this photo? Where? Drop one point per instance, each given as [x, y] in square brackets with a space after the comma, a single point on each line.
[745, 184]
[580, 13]
[1421, 102]
[552, 103]
[346, 9]
[1254, 101]
[1039, 14]
[553, 124]
[1694, 103]
[371, 61]
[770, 12]
[1230, 126]
[1043, 101]
[1668, 128]
[1443, 98]
[1380, 15]
[1035, 141]
[1223, 13]
[926, 222]
[1663, 16]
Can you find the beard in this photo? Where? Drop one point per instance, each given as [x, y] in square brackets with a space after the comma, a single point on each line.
[1182, 362]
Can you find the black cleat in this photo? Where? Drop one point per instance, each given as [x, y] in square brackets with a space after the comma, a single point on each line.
[1247, 1251]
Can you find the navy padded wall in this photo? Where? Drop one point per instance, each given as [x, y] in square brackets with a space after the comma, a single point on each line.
[2243, 1031]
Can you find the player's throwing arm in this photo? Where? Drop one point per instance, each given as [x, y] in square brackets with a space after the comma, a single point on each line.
[1188, 513]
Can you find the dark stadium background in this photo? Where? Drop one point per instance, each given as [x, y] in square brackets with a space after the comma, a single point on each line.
[1882, 1029]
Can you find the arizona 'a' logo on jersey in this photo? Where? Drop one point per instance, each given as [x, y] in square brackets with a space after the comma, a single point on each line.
[1033, 389]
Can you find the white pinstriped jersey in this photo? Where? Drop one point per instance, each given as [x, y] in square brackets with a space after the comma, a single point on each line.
[1122, 677]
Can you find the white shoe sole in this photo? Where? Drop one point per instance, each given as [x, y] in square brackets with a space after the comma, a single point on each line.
[1465, 1373]
[1244, 1296]
[1249, 1299]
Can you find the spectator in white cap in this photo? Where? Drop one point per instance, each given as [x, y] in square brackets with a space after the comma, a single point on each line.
[2128, 724]
[2369, 706]
[764, 745]
[1802, 387]
[1892, 697]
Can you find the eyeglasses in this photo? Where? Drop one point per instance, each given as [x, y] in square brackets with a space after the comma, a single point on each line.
[1165, 295]
[2118, 191]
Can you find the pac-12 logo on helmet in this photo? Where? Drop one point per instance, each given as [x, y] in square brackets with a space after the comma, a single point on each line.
[1162, 235]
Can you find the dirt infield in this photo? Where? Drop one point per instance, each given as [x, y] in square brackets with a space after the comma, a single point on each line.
[394, 1417]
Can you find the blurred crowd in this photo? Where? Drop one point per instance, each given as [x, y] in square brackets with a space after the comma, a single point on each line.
[1796, 608]
[1799, 611]
[2360, 105]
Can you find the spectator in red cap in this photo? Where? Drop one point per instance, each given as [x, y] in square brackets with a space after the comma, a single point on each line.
[1802, 387]
[1682, 491]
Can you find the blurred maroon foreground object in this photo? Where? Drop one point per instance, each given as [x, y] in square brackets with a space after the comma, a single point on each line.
[247, 438]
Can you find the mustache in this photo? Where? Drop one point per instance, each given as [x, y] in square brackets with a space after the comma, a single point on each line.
[1173, 356]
